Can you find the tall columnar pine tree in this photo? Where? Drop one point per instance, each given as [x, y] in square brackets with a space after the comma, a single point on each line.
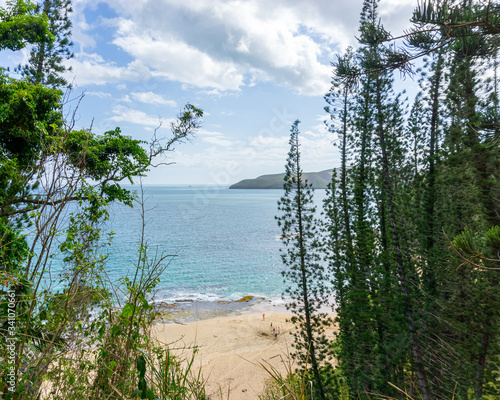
[423, 214]
[339, 240]
[433, 87]
[378, 280]
[403, 210]
[46, 62]
[349, 245]
[339, 245]
[376, 163]
[340, 99]
[471, 169]
[304, 273]
[459, 176]
[423, 218]
[395, 255]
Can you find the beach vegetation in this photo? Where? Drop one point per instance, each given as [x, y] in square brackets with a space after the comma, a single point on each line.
[411, 217]
[406, 254]
[67, 331]
[304, 273]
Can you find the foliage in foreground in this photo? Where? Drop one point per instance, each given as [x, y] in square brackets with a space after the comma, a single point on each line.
[303, 272]
[411, 221]
[412, 218]
[298, 384]
[67, 331]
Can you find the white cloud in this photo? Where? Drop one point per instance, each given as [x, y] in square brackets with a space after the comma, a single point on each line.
[216, 92]
[125, 114]
[224, 45]
[213, 49]
[101, 95]
[79, 32]
[264, 153]
[217, 141]
[269, 142]
[320, 130]
[175, 60]
[93, 69]
[152, 98]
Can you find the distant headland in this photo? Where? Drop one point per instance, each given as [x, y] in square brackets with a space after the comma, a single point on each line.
[319, 180]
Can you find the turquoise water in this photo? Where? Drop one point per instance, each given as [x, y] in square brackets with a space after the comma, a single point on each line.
[226, 245]
[226, 242]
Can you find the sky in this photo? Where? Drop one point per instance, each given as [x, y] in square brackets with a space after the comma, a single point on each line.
[253, 66]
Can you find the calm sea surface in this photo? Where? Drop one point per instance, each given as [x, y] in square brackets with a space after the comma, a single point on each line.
[226, 242]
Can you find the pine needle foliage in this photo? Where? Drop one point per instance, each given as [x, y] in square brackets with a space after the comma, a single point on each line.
[46, 61]
[304, 272]
[414, 312]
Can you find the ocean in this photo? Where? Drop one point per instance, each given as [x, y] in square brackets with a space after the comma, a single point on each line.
[226, 245]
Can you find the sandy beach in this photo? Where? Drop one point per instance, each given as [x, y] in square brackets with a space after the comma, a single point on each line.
[231, 349]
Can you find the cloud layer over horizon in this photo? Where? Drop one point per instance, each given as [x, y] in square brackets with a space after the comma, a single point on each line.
[223, 45]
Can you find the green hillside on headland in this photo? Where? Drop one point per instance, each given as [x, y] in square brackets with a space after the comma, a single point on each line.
[319, 180]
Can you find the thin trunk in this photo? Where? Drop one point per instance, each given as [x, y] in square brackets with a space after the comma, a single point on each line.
[431, 189]
[481, 360]
[415, 344]
[360, 194]
[310, 338]
[41, 52]
[360, 270]
[345, 204]
[428, 269]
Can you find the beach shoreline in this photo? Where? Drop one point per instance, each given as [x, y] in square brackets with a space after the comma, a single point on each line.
[232, 349]
[182, 311]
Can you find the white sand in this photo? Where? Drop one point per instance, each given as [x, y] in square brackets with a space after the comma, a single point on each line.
[231, 349]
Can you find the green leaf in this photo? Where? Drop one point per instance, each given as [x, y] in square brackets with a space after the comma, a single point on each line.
[128, 310]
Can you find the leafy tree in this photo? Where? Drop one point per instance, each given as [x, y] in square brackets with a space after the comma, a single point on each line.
[73, 167]
[304, 271]
[21, 25]
[46, 61]
[57, 183]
